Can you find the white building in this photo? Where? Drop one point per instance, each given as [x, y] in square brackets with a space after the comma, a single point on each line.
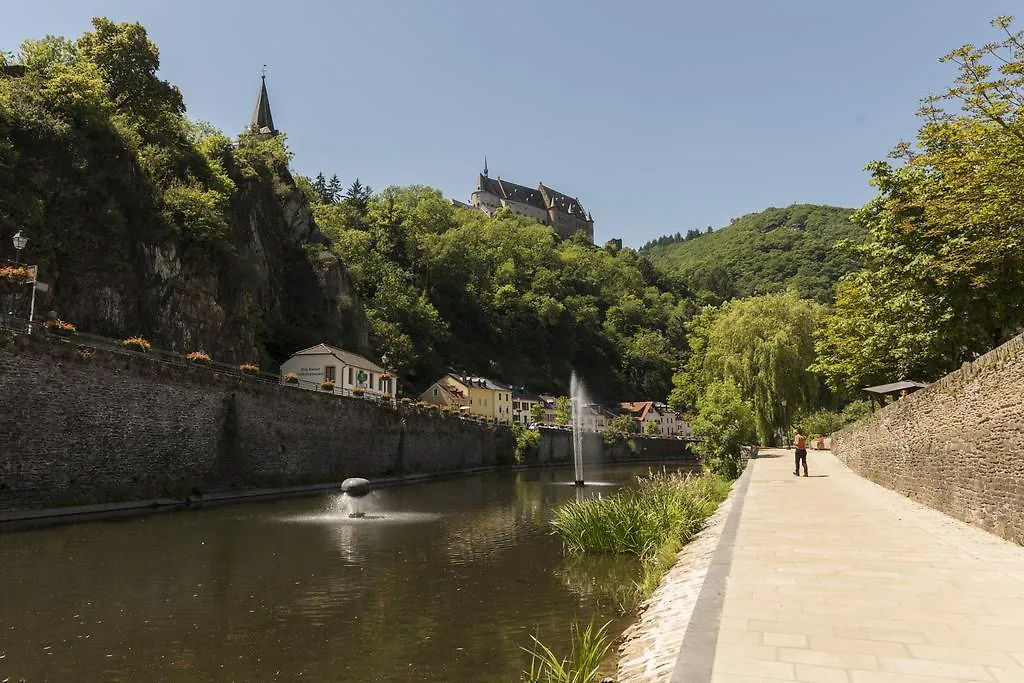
[348, 371]
[522, 406]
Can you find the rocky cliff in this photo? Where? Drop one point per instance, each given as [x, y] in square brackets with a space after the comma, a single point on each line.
[145, 223]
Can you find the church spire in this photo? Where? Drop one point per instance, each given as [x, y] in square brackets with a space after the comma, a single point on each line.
[262, 119]
[485, 166]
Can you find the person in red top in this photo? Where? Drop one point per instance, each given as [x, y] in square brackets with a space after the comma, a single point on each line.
[800, 455]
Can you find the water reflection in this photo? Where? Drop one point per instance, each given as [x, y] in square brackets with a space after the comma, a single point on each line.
[445, 586]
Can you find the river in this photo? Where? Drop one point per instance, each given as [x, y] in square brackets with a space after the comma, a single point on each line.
[442, 581]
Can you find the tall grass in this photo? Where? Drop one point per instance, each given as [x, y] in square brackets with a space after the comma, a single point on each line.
[638, 521]
[652, 521]
[589, 646]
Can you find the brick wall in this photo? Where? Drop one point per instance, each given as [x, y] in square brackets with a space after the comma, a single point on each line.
[79, 426]
[957, 446]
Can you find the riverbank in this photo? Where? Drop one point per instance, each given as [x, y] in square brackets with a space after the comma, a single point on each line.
[650, 648]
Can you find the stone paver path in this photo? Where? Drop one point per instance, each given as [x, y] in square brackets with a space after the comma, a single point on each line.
[837, 579]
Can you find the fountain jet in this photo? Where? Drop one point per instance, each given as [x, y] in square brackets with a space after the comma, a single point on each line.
[579, 400]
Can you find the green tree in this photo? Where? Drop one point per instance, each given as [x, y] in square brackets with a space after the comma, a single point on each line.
[621, 428]
[944, 262]
[651, 429]
[563, 410]
[765, 345]
[358, 195]
[333, 189]
[537, 413]
[320, 187]
[724, 423]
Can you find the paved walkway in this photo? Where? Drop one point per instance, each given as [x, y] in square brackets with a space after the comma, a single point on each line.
[834, 578]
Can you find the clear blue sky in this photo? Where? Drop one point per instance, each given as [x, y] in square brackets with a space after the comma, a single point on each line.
[659, 116]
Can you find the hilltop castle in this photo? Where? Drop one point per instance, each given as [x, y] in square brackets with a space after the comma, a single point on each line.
[564, 214]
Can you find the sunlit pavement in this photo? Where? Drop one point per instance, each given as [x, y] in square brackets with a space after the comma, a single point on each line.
[834, 578]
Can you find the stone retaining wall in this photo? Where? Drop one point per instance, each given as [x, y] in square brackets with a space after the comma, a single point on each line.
[80, 425]
[957, 446]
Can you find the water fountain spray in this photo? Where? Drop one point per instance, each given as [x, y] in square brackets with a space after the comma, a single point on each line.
[578, 398]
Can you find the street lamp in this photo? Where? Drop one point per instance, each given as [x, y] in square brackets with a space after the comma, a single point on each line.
[20, 240]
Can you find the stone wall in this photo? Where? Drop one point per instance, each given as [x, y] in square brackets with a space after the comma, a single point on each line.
[80, 425]
[957, 446]
[556, 447]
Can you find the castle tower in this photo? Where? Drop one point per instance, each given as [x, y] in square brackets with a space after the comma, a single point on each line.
[262, 119]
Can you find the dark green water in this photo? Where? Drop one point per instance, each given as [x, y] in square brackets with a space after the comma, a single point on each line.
[445, 585]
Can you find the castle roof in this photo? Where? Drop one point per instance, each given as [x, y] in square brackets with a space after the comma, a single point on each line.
[262, 119]
[542, 197]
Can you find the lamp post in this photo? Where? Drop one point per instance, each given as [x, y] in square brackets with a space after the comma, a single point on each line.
[785, 422]
[20, 240]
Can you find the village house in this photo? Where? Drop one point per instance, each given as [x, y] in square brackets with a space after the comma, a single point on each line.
[523, 402]
[667, 421]
[595, 418]
[473, 395]
[349, 372]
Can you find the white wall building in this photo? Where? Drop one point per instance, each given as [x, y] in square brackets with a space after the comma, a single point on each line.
[347, 370]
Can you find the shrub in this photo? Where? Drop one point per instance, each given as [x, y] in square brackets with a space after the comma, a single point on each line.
[198, 357]
[60, 327]
[724, 423]
[327, 385]
[526, 440]
[136, 344]
[406, 401]
[291, 378]
[249, 369]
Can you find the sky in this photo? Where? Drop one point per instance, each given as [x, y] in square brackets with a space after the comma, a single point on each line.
[659, 116]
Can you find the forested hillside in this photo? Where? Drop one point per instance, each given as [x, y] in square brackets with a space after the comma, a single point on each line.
[765, 252]
[450, 288]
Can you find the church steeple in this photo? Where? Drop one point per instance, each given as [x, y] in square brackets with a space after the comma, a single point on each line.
[262, 119]
[485, 166]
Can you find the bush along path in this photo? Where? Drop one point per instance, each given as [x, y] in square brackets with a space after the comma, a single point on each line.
[651, 522]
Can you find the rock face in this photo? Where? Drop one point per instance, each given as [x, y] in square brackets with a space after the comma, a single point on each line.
[275, 288]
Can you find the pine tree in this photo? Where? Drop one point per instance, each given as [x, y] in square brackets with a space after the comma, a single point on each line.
[358, 195]
[334, 189]
[320, 187]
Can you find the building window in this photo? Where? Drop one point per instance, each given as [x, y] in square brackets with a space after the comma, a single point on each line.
[330, 373]
[350, 375]
[371, 380]
[435, 392]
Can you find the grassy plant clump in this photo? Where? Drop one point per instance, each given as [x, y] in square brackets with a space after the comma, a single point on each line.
[589, 646]
[651, 522]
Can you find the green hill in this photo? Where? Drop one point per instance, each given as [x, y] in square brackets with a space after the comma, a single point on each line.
[764, 252]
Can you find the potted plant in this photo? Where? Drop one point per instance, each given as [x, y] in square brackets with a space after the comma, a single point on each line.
[291, 378]
[358, 391]
[249, 369]
[60, 328]
[136, 344]
[386, 396]
[199, 358]
[327, 385]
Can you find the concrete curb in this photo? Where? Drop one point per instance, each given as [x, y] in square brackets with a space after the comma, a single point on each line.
[697, 653]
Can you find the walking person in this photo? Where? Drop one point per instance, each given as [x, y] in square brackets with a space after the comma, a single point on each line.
[800, 454]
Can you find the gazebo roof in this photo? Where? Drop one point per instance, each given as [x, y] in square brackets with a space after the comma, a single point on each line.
[895, 386]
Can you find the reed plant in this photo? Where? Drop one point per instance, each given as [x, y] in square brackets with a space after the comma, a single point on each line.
[651, 522]
[589, 647]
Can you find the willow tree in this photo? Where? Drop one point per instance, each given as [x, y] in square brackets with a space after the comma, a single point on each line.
[764, 345]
